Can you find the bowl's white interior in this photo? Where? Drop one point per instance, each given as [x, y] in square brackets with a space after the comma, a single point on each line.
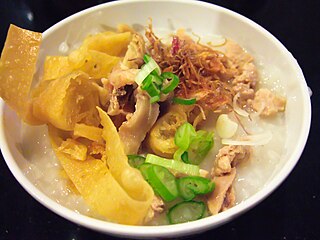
[202, 19]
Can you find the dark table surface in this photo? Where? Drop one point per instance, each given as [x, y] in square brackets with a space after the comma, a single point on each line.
[291, 212]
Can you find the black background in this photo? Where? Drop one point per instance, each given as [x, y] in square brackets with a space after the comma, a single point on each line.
[291, 212]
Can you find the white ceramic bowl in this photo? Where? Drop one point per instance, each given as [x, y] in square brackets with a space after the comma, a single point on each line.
[202, 18]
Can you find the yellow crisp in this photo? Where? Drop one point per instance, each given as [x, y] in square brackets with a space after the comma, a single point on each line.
[68, 100]
[112, 44]
[114, 192]
[129, 178]
[98, 54]
[74, 149]
[17, 67]
[55, 67]
[98, 64]
[95, 64]
[89, 132]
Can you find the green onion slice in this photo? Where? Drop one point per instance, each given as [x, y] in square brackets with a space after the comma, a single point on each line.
[155, 99]
[151, 80]
[186, 211]
[200, 146]
[190, 186]
[157, 79]
[178, 154]
[146, 69]
[185, 157]
[192, 146]
[151, 88]
[178, 166]
[161, 180]
[146, 58]
[184, 101]
[152, 63]
[171, 84]
[184, 135]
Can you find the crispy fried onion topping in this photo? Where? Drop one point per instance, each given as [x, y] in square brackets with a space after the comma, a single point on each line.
[205, 74]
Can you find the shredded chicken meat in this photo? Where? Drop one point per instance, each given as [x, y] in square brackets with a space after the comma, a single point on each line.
[267, 103]
[229, 200]
[246, 74]
[218, 200]
[157, 207]
[228, 157]
[224, 172]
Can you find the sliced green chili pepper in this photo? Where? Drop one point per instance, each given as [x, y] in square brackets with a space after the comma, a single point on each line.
[186, 211]
[136, 160]
[143, 169]
[150, 67]
[191, 186]
[161, 180]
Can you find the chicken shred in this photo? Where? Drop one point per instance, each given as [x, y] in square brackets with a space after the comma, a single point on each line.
[228, 157]
[229, 200]
[267, 103]
[157, 205]
[124, 74]
[246, 74]
[221, 197]
[224, 172]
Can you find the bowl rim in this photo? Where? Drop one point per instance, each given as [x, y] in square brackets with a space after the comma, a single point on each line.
[166, 230]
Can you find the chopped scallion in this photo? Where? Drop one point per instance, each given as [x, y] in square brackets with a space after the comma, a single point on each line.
[152, 81]
[193, 145]
[184, 101]
[184, 135]
[155, 99]
[146, 69]
[171, 84]
[185, 158]
[151, 88]
[200, 146]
